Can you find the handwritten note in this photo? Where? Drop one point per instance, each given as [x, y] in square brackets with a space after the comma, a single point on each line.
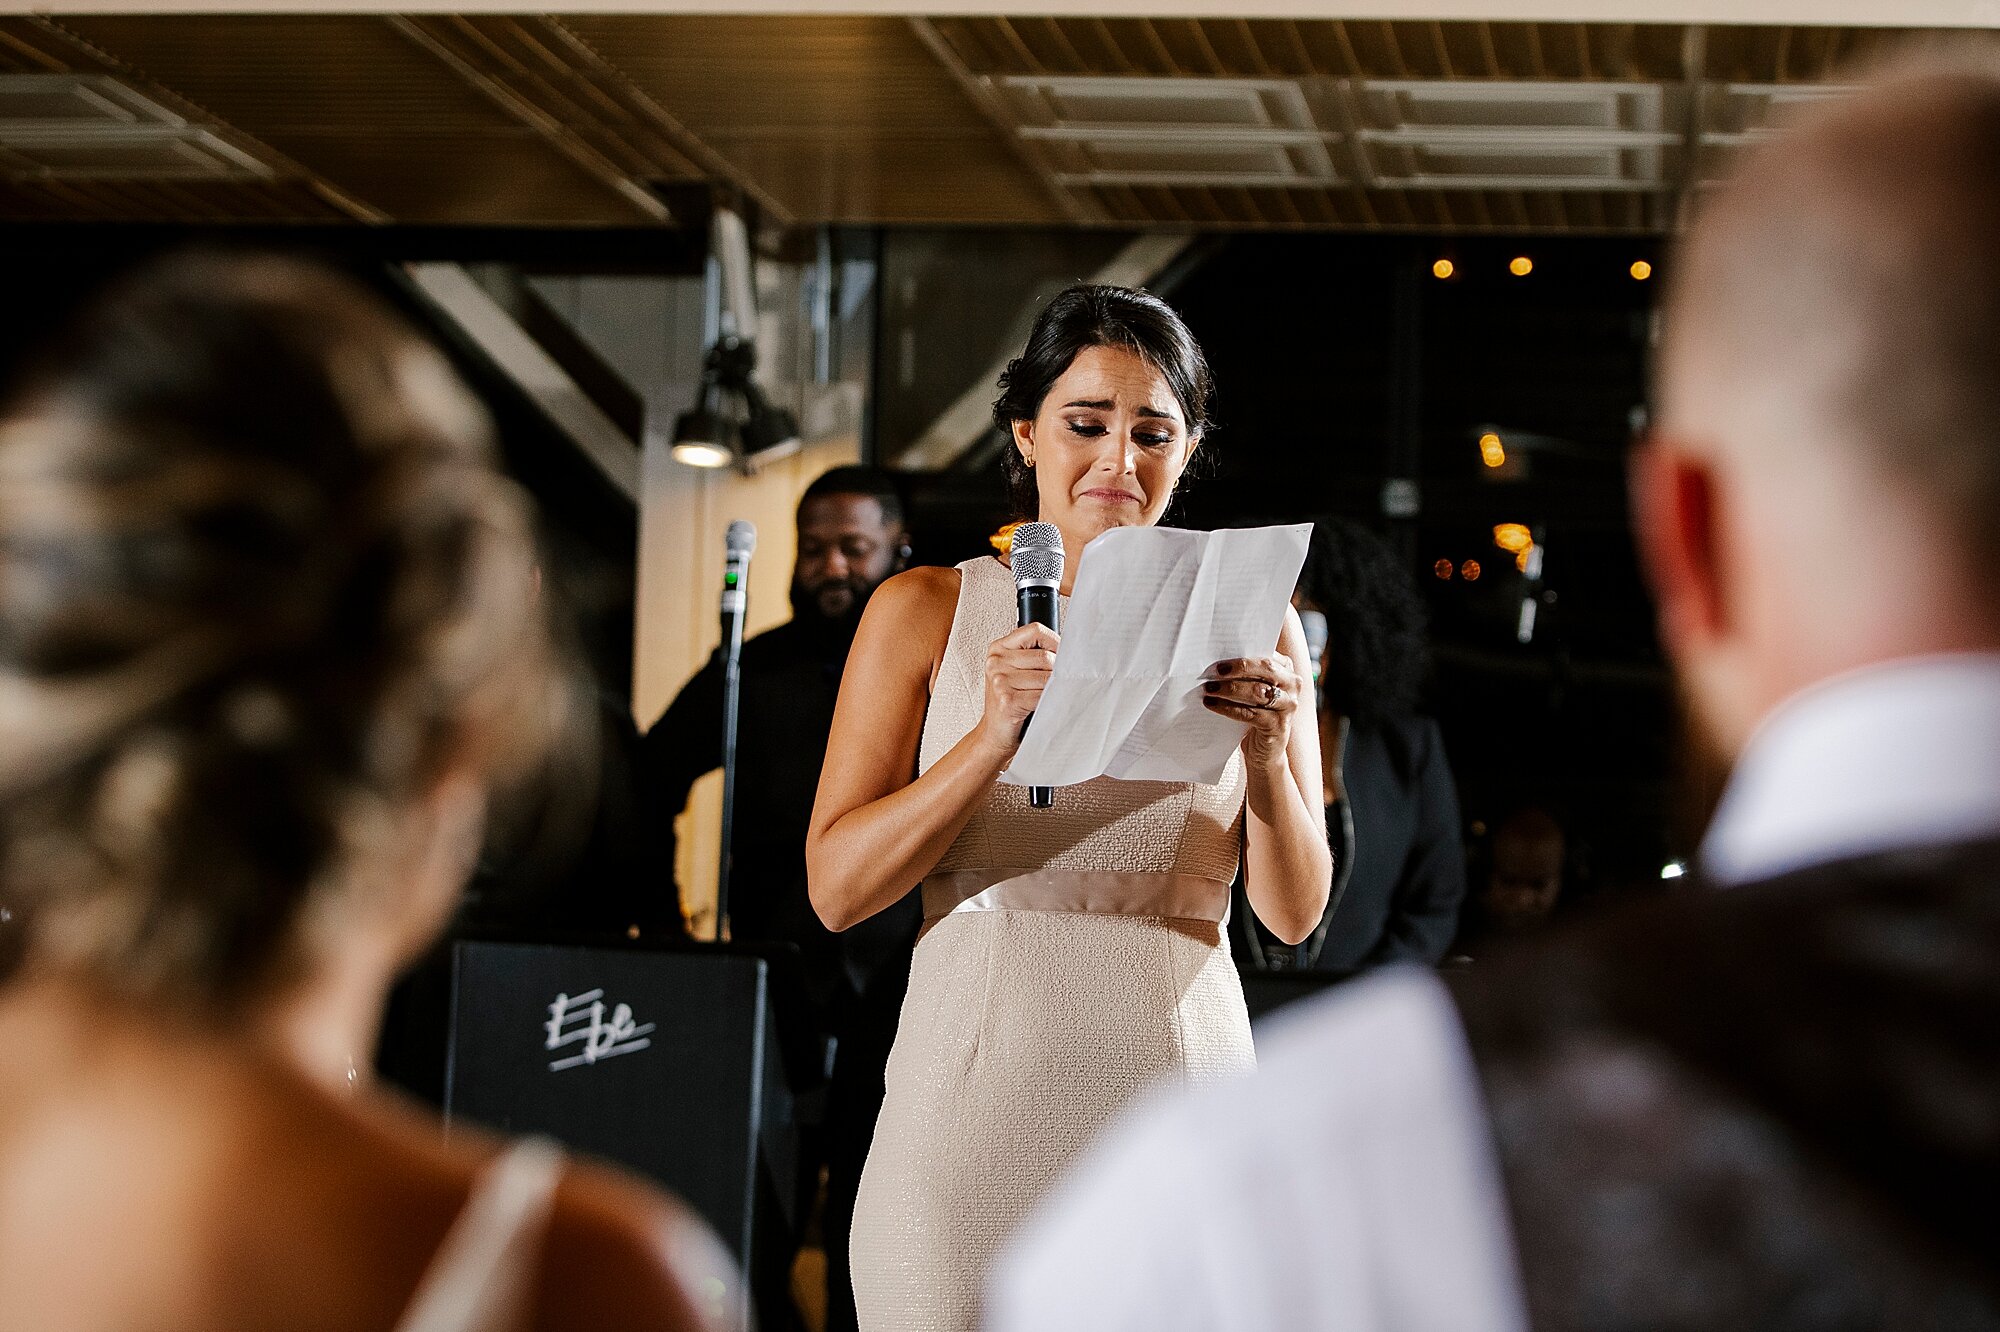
[582, 1018]
[1153, 610]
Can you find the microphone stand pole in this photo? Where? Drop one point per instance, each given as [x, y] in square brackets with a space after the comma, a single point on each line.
[732, 689]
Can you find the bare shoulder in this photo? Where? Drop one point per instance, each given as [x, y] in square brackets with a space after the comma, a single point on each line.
[908, 621]
[923, 594]
[619, 1254]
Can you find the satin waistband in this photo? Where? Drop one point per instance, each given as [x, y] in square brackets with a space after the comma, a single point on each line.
[1103, 892]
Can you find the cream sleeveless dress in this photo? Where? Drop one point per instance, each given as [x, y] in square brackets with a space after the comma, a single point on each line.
[1070, 957]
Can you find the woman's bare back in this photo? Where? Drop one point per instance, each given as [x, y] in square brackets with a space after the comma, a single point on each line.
[157, 1177]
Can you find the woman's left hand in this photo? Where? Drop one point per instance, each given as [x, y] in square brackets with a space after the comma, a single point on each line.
[1263, 691]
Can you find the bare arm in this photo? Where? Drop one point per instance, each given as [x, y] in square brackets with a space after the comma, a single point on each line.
[877, 828]
[1287, 869]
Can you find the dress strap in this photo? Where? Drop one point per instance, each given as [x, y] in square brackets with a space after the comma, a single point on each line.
[482, 1277]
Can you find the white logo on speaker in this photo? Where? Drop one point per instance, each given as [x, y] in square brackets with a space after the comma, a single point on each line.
[583, 1018]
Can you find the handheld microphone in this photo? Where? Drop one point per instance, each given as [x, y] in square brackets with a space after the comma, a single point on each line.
[1037, 557]
[737, 544]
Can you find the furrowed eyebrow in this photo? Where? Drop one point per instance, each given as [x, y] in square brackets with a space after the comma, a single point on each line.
[1105, 405]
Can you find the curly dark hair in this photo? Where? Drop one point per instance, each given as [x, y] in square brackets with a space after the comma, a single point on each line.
[1378, 648]
[1096, 315]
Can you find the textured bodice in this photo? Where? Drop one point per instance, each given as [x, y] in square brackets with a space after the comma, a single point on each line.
[1103, 825]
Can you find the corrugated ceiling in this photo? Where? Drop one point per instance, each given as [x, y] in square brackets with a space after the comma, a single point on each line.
[543, 120]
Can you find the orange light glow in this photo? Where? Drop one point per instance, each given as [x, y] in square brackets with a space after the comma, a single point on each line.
[1442, 569]
[1469, 571]
[1641, 270]
[1521, 266]
[1443, 268]
[1521, 559]
[1003, 540]
[1491, 451]
[1513, 538]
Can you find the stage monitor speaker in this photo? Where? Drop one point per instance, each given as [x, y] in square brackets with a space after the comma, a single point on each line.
[665, 1062]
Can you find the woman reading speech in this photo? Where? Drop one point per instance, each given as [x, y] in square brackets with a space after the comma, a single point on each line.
[1070, 955]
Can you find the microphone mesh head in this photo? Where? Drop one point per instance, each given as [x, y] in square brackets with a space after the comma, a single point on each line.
[1037, 554]
[740, 540]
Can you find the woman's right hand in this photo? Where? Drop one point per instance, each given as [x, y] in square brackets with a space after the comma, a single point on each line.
[1017, 670]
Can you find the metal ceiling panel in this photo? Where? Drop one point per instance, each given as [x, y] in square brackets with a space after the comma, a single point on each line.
[351, 99]
[838, 118]
[1151, 122]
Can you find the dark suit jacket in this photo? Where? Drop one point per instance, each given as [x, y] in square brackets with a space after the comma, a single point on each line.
[1408, 881]
[790, 681]
[1774, 1106]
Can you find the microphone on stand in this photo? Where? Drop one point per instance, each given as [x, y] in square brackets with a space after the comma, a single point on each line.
[1037, 557]
[737, 544]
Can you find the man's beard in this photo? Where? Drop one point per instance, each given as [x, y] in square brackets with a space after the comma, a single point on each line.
[838, 627]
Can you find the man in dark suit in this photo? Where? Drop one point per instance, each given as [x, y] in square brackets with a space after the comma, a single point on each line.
[850, 539]
[1771, 1103]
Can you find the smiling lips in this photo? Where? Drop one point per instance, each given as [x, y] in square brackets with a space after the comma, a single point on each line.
[1112, 496]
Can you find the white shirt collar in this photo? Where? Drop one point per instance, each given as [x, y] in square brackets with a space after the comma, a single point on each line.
[1892, 756]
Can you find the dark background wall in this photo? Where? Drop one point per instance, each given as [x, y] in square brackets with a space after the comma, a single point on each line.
[1342, 363]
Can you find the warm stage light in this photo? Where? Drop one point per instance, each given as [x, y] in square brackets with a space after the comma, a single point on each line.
[1469, 571]
[1512, 537]
[1641, 270]
[1442, 569]
[1491, 451]
[702, 455]
[1443, 268]
[1521, 266]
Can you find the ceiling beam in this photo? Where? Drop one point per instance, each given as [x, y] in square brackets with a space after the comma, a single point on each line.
[986, 101]
[446, 41]
[456, 296]
[1807, 13]
[959, 427]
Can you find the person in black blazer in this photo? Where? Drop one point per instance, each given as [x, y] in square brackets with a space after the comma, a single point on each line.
[1388, 779]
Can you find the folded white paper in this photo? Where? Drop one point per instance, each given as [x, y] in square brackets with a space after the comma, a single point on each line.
[1154, 608]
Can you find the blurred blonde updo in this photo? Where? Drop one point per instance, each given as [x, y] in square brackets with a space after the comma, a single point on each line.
[261, 588]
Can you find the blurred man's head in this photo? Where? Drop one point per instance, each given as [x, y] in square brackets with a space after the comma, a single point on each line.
[1525, 877]
[1819, 495]
[851, 538]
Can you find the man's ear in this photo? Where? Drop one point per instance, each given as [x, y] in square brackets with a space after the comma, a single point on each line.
[1676, 517]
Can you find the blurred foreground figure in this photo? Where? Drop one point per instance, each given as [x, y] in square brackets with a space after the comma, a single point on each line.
[268, 640]
[1774, 1105]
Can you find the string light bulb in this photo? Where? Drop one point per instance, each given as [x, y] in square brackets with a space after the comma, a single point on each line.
[1641, 270]
[1443, 268]
[1521, 265]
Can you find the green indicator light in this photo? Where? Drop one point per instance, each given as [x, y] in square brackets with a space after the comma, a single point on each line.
[729, 580]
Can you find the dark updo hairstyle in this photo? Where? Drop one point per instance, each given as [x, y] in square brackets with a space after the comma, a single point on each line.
[1378, 646]
[1093, 315]
[261, 588]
